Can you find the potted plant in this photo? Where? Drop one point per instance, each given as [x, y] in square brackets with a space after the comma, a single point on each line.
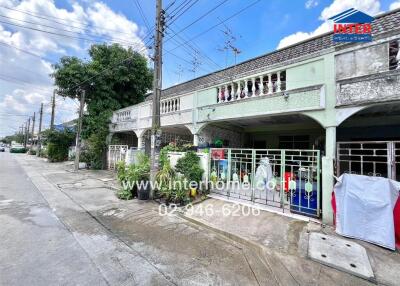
[142, 173]
[189, 166]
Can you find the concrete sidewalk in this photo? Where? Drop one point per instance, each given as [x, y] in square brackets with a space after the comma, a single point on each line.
[130, 240]
[284, 240]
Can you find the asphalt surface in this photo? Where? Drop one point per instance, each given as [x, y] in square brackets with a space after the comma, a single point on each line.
[36, 247]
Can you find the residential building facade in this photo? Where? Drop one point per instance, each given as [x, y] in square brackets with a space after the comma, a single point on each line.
[339, 100]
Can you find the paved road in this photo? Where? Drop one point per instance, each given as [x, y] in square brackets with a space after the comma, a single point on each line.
[62, 228]
[36, 247]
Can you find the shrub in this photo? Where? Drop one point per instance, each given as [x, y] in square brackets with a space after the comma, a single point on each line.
[56, 153]
[189, 166]
[58, 144]
[128, 175]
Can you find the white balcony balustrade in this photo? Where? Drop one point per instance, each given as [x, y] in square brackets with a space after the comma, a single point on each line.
[170, 105]
[124, 115]
[266, 84]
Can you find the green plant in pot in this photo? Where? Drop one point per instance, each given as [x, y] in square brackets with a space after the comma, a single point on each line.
[164, 179]
[189, 166]
[142, 173]
[123, 177]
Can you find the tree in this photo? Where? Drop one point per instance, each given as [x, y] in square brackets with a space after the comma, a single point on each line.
[17, 137]
[58, 143]
[113, 78]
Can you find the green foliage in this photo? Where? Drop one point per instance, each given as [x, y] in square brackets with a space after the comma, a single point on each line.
[120, 86]
[172, 148]
[172, 187]
[17, 137]
[189, 166]
[32, 152]
[58, 143]
[128, 175]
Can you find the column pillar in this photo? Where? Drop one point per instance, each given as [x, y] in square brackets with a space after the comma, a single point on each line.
[253, 87]
[327, 174]
[226, 92]
[239, 90]
[278, 82]
[195, 140]
[246, 89]
[140, 142]
[269, 85]
[261, 85]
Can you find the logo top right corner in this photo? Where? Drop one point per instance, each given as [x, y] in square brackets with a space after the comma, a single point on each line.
[352, 26]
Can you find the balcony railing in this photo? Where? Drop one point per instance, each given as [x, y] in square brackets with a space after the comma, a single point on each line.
[170, 105]
[266, 84]
[124, 115]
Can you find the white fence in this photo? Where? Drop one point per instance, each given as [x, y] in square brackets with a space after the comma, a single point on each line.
[116, 153]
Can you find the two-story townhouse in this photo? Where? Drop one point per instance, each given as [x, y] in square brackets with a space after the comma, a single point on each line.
[298, 107]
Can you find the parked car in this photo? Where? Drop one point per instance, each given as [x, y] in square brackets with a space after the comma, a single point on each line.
[17, 148]
[2, 149]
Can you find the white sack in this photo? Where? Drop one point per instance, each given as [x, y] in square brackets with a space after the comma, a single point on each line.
[364, 208]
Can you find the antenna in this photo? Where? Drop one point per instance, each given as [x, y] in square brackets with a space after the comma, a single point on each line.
[179, 72]
[195, 63]
[229, 43]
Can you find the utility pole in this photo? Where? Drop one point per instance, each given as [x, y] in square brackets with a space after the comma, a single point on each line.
[157, 85]
[33, 129]
[24, 138]
[79, 129]
[53, 107]
[39, 142]
[27, 131]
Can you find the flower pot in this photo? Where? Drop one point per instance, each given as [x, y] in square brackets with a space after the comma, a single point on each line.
[144, 192]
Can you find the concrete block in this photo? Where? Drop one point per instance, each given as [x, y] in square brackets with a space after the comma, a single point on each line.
[341, 254]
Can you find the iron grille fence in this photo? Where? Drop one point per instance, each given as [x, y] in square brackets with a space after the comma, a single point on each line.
[287, 179]
[116, 153]
[370, 158]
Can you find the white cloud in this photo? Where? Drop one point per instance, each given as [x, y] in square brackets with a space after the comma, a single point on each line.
[24, 79]
[371, 7]
[394, 5]
[311, 4]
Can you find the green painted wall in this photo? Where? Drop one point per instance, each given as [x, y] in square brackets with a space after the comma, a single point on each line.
[305, 75]
[207, 97]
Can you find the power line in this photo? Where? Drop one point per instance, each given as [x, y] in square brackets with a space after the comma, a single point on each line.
[27, 52]
[119, 40]
[194, 49]
[178, 8]
[61, 35]
[175, 17]
[19, 81]
[57, 18]
[199, 18]
[216, 25]
[142, 14]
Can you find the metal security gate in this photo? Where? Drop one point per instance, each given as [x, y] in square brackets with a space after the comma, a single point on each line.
[287, 179]
[116, 153]
[370, 158]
